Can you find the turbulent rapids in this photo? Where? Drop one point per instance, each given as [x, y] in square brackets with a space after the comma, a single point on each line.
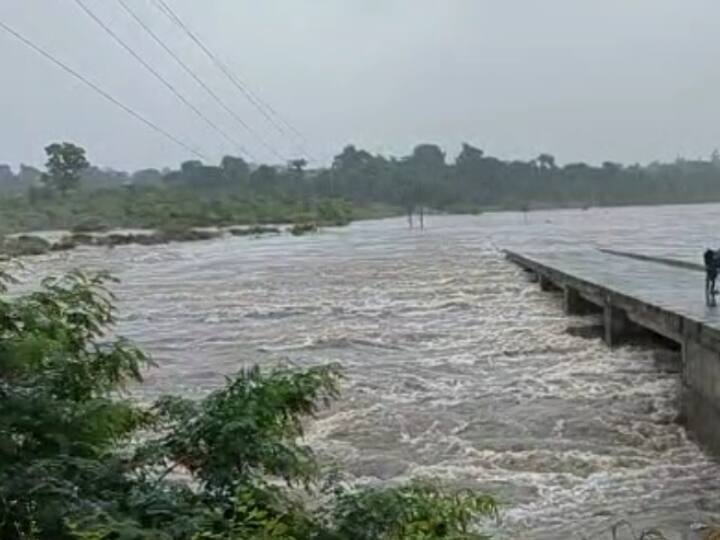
[456, 366]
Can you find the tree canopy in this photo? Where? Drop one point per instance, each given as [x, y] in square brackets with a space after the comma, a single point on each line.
[65, 164]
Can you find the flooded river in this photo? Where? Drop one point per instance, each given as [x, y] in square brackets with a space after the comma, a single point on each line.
[457, 367]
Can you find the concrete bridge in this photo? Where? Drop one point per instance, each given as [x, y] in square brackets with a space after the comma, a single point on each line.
[636, 294]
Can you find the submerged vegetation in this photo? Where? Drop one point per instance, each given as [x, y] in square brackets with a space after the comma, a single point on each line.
[79, 459]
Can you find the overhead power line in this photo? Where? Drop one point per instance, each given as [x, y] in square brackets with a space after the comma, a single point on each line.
[196, 78]
[213, 57]
[263, 107]
[99, 90]
[159, 77]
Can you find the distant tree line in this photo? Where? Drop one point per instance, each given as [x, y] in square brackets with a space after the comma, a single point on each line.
[477, 181]
[425, 178]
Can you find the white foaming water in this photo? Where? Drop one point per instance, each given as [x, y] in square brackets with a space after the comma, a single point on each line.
[456, 366]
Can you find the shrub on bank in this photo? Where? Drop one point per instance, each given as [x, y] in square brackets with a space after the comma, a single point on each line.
[304, 228]
[19, 246]
[154, 208]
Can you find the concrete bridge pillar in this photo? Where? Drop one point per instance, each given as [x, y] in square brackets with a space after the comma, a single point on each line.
[618, 327]
[701, 393]
[575, 304]
[545, 284]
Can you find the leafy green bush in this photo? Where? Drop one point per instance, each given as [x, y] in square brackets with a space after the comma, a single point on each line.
[17, 246]
[79, 459]
[303, 227]
[334, 212]
[420, 511]
[59, 423]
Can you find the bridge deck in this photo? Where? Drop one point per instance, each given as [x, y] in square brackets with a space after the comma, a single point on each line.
[673, 289]
[666, 299]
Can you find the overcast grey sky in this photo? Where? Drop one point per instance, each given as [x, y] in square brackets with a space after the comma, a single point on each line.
[626, 80]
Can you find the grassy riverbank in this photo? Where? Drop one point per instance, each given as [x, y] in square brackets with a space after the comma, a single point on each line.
[99, 218]
[154, 208]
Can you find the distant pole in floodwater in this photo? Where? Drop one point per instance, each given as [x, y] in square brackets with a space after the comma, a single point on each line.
[422, 218]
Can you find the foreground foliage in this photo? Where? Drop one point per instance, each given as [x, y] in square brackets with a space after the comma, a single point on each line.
[80, 460]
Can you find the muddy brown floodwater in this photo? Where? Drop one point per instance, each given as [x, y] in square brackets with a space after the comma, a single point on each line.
[457, 367]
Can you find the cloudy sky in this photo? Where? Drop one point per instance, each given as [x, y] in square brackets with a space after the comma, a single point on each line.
[592, 80]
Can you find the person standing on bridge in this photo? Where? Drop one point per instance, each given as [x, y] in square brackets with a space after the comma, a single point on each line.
[711, 271]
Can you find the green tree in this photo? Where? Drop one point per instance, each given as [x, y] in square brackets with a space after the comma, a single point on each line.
[235, 169]
[58, 422]
[297, 165]
[468, 160]
[429, 157]
[351, 159]
[264, 178]
[425, 175]
[362, 177]
[65, 164]
[546, 161]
